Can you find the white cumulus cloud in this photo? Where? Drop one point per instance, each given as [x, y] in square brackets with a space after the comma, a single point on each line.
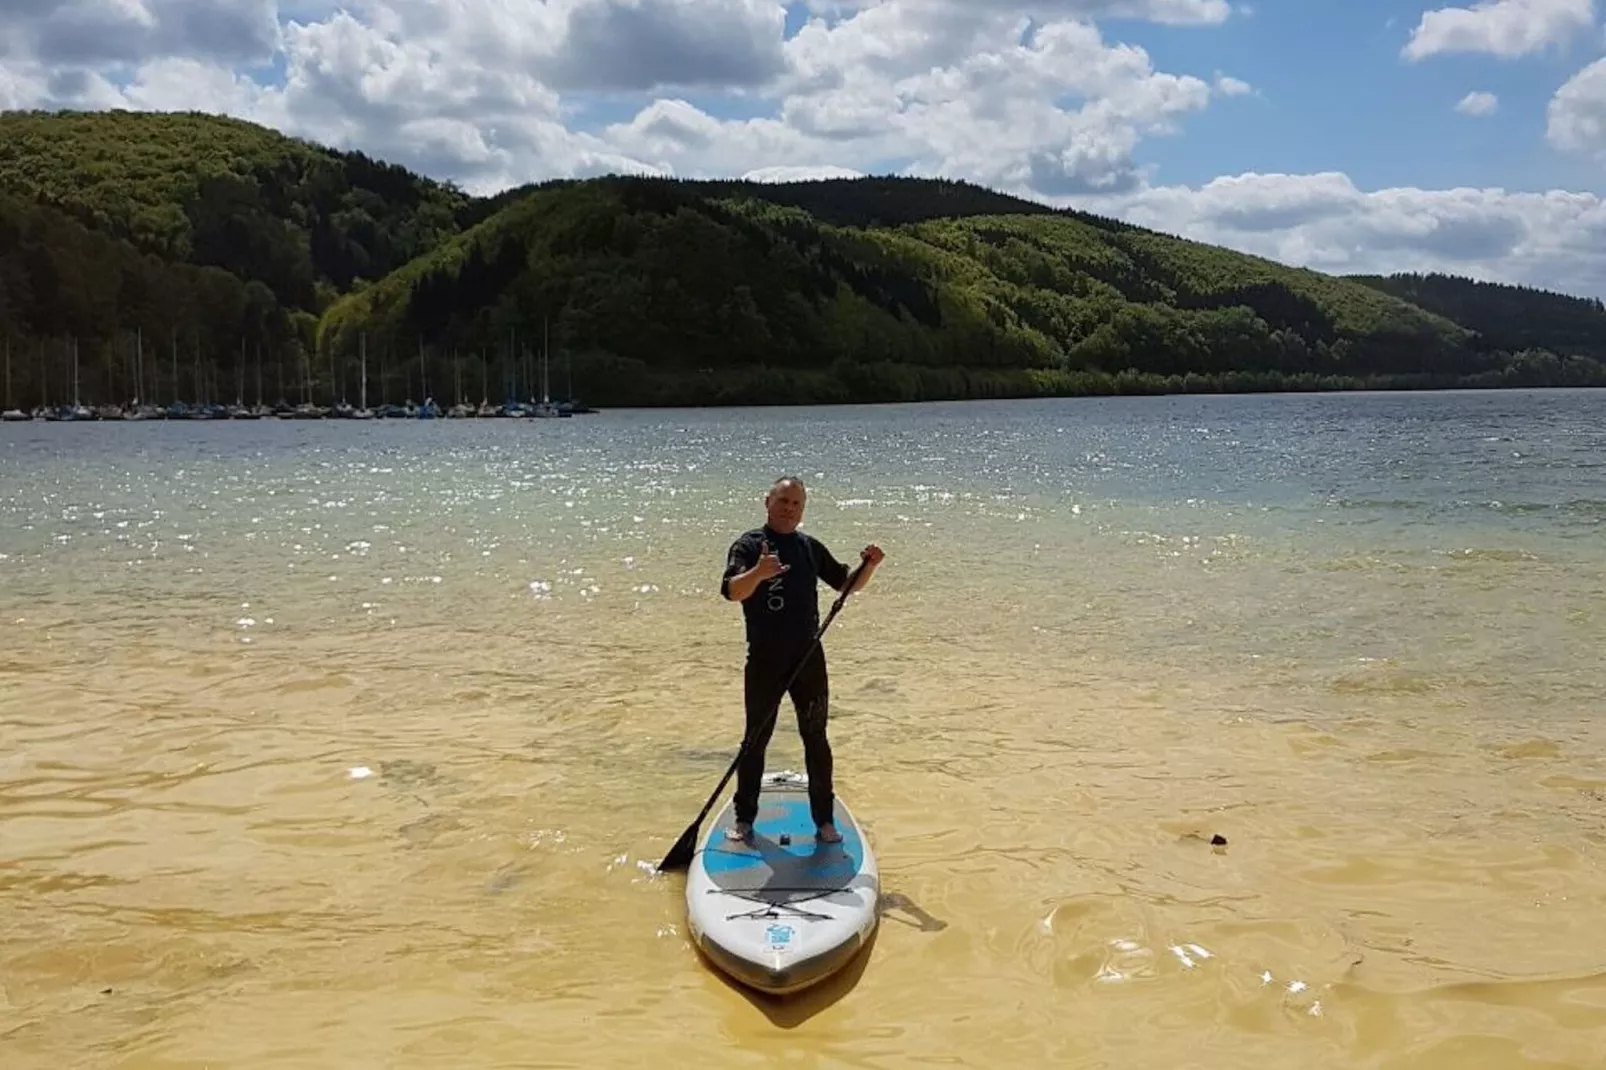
[1043, 98]
[1576, 118]
[1554, 239]
[1478, 103]
[1506, 28]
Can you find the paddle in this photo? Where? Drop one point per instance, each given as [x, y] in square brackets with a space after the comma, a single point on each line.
[680, 855]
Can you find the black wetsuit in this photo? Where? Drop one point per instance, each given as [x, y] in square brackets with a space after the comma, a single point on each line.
[782, 615]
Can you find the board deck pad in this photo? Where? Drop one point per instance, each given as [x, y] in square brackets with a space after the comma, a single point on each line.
[768, 870]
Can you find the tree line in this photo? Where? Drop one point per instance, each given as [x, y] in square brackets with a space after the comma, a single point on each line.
[658, 293]
[183, 256]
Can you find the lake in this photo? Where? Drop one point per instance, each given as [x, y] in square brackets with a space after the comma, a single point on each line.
[331, 744]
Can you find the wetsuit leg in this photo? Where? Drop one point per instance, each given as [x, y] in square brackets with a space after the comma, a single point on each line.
[811, 697]
[761, 684]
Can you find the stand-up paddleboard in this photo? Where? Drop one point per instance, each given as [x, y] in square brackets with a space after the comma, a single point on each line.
[782, 911]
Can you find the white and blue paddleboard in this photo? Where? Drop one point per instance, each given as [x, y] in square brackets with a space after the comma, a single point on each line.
[782, 911]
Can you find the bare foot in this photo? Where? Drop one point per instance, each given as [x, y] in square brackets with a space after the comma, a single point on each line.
[742, 831]
[829, 834]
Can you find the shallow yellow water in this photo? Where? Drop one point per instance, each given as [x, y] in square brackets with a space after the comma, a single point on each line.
[413, 823]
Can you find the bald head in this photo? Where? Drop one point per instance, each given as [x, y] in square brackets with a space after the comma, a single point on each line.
[784, 504]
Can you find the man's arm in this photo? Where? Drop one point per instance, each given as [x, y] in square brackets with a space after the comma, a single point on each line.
[872, 556]
[748, 565]
[836, 573]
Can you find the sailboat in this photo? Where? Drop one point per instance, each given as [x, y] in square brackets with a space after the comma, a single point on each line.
[362, 411]
[141, 408]
[77, 410]
[11, 413]
[544, 408]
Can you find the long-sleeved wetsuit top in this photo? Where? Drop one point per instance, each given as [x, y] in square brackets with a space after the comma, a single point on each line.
[783, 612]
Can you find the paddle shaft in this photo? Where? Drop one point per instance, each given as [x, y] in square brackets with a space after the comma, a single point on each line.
[683, 845]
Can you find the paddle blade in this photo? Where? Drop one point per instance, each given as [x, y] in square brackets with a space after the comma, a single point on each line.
[679, 856]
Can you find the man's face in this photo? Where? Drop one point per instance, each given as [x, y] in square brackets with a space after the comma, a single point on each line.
[785, 503]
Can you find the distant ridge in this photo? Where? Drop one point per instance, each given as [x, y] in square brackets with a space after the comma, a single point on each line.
[259, 257]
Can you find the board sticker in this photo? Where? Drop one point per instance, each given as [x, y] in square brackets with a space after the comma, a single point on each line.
[779, 938]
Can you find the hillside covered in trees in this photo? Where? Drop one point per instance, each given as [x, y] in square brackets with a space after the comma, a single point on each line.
[184, 256]
[1506, 317]
[226, 193]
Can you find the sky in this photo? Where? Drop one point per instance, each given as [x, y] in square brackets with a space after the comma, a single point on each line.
[1342, 135]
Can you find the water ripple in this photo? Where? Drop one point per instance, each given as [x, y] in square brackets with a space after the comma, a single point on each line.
[1212, 728]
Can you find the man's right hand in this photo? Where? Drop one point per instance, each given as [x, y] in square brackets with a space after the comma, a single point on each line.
[769, 564]
[743, 584]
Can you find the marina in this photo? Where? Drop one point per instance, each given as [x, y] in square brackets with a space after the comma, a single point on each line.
[410, 410]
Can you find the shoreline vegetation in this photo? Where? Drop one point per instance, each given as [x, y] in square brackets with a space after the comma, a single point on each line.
[166, 265]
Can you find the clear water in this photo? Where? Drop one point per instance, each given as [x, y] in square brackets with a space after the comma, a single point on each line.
[326, 744]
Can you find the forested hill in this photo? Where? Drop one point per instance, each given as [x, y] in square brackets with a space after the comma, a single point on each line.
[222, 192]
[65, 287]
[1507, 317]
[854, 202]
[246, 251]
[657, 293]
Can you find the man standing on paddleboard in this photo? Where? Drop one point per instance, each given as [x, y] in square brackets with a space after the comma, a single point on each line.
[774, 572]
